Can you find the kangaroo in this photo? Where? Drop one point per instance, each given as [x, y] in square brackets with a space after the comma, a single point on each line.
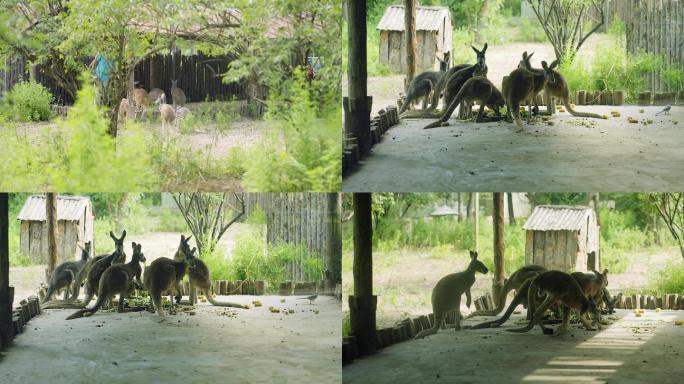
[593, 285]
[514, 282]
[521, 85]
[65, 274]
[154, 95]
[421, 86]
[118, 278]
[126, 110]
[446, 295]
[478, 89]
[556, 287]
[609, 301]
[177, 94]
[96, 270]
[200, 277]
[165, 274]
[140, 97]
[166, 111]
[559, 89]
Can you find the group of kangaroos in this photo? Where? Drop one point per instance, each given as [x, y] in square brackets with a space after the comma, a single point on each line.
[536, 288]
[466, 84]
[108, 275]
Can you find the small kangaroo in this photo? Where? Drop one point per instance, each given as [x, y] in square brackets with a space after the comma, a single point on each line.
[521, 85]
[65, 274]
[478, 89]
[513, 283]
[420, 87]
[593, 285]
[166, 111]
[126, 110]
[177, 94]
[446, 296]
[118, 278]
[165, 274]
[556, 287]
[559, 89]
[200, 277]
[96, 270]
[141, 98]
[154, 94]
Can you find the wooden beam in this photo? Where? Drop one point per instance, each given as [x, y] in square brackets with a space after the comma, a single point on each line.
[410, 31]
[5, 300]
[511, 211]
[499, 246]
[363, 304]
[476, 217]
[334, 239]
[51, 215]
[358, 105]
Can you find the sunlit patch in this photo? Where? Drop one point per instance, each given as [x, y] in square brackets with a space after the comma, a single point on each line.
[571, 360]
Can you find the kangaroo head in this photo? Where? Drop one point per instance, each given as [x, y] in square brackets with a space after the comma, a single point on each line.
[525, 63]
[85, 251]
[190, 259]
[183, 247]
[119, 245]
[548, 71]
[174, 83]
[476, 264]
[161, 99]
[137, 253]
[480, 55]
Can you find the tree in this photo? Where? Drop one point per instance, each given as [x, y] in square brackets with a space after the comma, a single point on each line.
[209, 215]
[670, 206]
[568, 23]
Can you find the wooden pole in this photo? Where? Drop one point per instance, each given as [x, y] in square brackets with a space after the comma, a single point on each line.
[458, 206]
[334, 240]
[476, 218]
[499, 246]
[410, 30]
[358, 105]
[511, 213]
[363, 304]
[5, 300]
[51, 215]
[596, 207]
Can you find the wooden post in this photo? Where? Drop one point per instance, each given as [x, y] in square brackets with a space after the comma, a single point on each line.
[333, 262]
[358, 105]
[51, 215]
[363, 304]
[6, 327]
[499, 246]
[596, 208]
[476, 218]
[511, 213]
[458, 206]
[410, 31]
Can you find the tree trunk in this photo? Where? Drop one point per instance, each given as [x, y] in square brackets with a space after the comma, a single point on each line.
[358, 105]
[334, 247]
[458, 206]
[511, 213]
[469, 206]
[410, 30]
[476, 218]
[596, 208]
[5, 299]
[499, 246]
[481, 15]
[51, 215]
[362, 305]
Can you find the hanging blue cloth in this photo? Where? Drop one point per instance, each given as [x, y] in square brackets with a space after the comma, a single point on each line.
[103, 68]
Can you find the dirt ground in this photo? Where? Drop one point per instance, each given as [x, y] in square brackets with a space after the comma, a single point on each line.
[575, 154]
[631, 350]
[242, 345]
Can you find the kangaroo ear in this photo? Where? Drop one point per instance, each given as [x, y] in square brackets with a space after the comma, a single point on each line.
[545, 65]
[111, 234]
[188, 239]
[554, 64]
[485, 48]
[475, 49]
[123, 235]
[133, 244]
[473, 255]
[530, 55]
[605, 272]
[525, 55]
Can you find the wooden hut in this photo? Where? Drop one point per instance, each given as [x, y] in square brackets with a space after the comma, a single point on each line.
[433, 38]
[561, 237]
[75, 222]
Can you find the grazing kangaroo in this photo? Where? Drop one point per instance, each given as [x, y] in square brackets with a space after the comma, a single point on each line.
[65, 274]
[118, 278]
[96, 270]
[514, 282]
[446, 296]
[154, 94]
[609, 301]
[593, 285]
[478, 89]
[177, 94]
[165, 274]
[166, 111]
[521, 85]
[559, 89]
[556, 287]
[200, 277]
[421, 86]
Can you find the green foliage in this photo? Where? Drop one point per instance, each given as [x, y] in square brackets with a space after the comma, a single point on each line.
[531, 31]
[617, 28]
[27, 101]
[669, 280]
[257, 217]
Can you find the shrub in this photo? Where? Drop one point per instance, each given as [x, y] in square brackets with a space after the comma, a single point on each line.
[670, 279]
[28, 101]
[531, 31]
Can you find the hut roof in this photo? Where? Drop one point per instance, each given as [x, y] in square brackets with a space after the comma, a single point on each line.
[558, 218]
[427, 18]
[444, 210]
[69, 208]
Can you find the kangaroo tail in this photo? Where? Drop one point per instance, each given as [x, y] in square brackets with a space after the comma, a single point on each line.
[532, 291]
[448, 110]
[520, 296]
[221, 303]
[50, 292]
[566, 102]
[499, 307]
[98, 304]
[439, 320]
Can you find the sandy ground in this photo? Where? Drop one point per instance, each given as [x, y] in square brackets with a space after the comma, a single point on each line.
[575, 154]
[252, 346]
[631, 350]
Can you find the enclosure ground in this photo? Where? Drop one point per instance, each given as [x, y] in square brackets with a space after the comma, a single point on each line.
[575, 154]
[632, 350]
[251, 346]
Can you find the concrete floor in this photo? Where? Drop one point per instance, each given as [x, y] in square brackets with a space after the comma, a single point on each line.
[575, 154]
[240, 346]
[633, 349]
